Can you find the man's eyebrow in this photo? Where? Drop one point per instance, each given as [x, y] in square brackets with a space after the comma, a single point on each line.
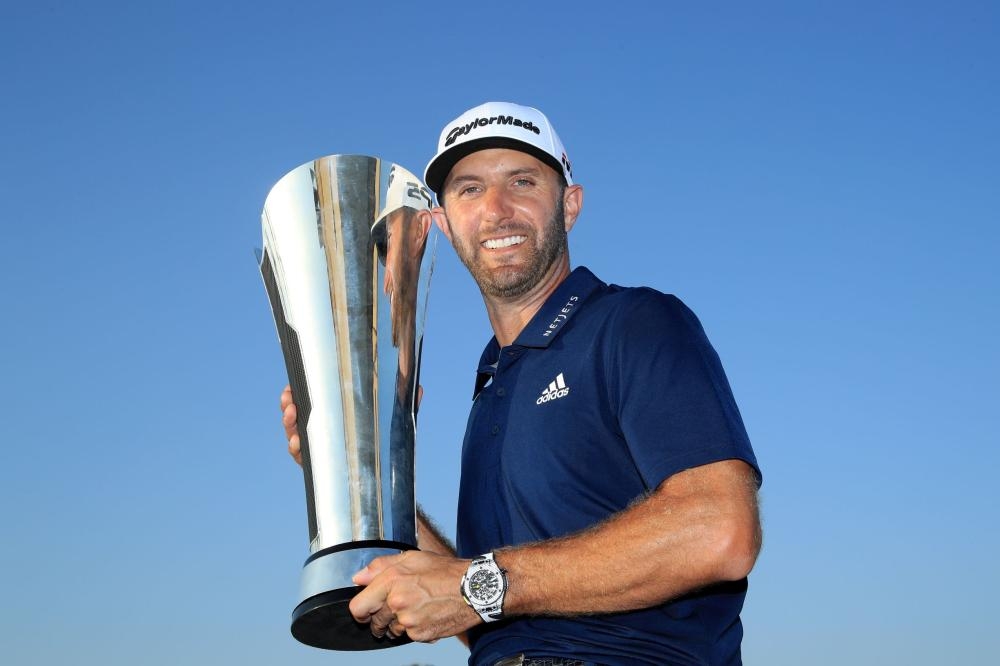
[461, 179]
[530, 170]
[519, 171]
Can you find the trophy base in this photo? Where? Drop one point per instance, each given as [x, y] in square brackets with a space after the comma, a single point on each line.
[323, 619]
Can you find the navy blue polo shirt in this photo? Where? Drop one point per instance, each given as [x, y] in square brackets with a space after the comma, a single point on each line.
[607, 392]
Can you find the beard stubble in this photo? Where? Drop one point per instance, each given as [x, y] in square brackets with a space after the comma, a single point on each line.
[511, 281]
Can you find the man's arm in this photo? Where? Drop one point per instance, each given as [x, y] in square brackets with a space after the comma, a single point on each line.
[699, 527]
[430, 537]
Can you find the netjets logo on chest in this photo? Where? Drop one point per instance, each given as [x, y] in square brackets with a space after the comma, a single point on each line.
[555, 390]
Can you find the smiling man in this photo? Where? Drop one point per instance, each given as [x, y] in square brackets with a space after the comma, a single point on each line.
[607, 506]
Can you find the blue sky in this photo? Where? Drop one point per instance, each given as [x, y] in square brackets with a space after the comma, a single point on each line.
[818, 181]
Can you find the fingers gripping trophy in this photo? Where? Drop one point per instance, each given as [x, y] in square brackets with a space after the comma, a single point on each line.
[344, 266]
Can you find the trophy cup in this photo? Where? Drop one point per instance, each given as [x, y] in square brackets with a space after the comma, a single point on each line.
[344, 268]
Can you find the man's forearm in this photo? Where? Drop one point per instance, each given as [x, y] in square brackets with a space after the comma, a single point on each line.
[699, 527]
[430, 537]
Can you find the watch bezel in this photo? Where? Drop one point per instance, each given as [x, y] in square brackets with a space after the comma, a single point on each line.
[480, 577]
[490, 609]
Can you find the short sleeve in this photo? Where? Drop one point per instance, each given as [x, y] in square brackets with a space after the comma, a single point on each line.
[674, 404]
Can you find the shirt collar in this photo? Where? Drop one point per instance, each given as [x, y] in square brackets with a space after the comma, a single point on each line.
[550, 319]
[558, 308]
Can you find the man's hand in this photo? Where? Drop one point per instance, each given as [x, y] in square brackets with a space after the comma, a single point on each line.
[289, 419]
[416, 593]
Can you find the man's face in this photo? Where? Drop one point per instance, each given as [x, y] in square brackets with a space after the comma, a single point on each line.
[505, 218]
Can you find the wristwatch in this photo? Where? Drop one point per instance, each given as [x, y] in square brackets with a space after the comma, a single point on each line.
[484, 586]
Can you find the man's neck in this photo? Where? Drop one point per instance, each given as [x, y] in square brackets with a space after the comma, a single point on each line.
[509, 316]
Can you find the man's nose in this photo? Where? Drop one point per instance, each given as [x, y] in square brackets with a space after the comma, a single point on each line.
[496, 204]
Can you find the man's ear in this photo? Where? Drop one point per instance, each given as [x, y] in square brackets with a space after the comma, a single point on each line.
[572, 204]
[441, 220]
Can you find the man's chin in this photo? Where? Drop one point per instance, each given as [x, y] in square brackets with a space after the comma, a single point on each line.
[505, 283]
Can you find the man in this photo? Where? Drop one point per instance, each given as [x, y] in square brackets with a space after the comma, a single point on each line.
[607, 507]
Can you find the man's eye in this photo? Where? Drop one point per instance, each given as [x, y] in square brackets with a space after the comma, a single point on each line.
[524, 182]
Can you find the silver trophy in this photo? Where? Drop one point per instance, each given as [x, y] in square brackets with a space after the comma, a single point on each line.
[344, 267]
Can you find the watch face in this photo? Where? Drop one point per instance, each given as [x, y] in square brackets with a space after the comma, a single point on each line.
[484, 586]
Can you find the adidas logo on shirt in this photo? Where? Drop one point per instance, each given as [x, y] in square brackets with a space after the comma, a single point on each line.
[557, 389]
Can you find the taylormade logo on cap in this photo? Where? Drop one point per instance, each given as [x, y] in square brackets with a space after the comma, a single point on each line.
[497, 125]
[482, 122]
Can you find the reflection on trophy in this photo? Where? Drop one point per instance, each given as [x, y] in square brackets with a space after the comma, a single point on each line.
[343, 265]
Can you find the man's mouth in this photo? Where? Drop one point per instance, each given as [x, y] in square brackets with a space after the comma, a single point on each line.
[507, 241]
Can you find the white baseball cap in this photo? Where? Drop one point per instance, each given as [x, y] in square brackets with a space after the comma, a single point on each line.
[497, 125]
[404, 189]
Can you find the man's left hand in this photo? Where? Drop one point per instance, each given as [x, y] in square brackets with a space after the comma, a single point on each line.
[416, 593]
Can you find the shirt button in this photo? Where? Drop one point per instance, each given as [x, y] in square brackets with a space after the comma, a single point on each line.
[501, 392]
[495, 429]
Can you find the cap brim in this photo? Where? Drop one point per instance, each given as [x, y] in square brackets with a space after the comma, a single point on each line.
[439, 168]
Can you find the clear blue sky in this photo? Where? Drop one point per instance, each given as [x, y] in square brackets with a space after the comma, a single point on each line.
[819, 181]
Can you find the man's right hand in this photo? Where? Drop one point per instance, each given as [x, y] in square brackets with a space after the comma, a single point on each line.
[289, 419]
